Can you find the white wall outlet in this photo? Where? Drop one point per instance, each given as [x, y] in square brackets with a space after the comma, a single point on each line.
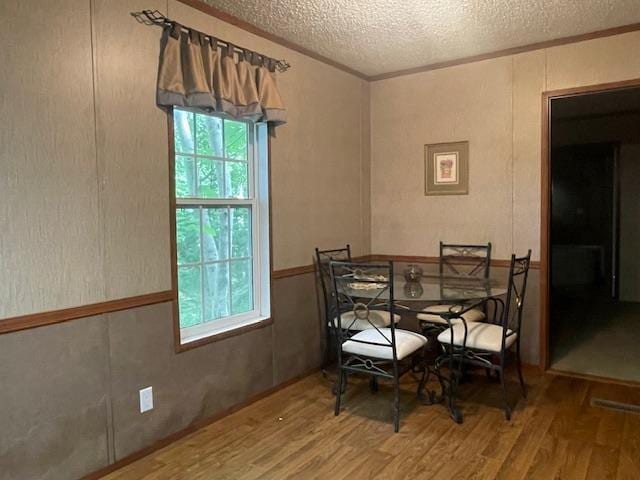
[146, 399]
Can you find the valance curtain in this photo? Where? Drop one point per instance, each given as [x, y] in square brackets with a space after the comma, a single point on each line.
[194, 72]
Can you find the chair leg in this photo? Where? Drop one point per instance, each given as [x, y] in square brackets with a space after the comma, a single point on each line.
[373, 384]
[326, 362]
[339, 390]
[396, 404]
[422, 383]
[507, 410]
[454, 374]
[523, 386]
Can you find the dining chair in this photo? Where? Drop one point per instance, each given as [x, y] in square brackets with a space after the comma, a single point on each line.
[459, 261]
[350, 322]
[323, 257]
[362, 293]
[487, 344]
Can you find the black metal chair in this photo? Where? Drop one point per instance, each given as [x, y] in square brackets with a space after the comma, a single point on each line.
[459, 261]
[486, 344]
[364, 293]
[349, 323]
[323, 258]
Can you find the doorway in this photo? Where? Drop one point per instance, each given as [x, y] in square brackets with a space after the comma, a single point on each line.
[591, 285]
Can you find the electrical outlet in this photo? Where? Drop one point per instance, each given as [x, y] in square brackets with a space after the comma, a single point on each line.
[146, 399]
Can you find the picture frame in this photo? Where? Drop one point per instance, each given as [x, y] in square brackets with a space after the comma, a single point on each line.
[446, 168]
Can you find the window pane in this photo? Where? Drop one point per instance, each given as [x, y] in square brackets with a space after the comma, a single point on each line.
[216, 291]
[209, 135]
[240, 232]
[188, 235]
[209, 178]
[183, 131]
[241, 286]
[189, 296]
[237, 181]
[215, 229]
[235, 139]
[185, 177]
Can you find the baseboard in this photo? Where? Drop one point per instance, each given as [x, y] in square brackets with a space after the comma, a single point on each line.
[194, 427]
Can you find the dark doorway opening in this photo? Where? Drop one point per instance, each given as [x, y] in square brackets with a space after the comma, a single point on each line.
[594, 249]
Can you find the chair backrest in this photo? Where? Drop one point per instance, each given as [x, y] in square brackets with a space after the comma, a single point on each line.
[465, 260]
[360, 289]
[517, 288]
[323, 258]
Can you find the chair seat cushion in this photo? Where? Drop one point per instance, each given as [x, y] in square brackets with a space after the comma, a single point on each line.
[379, 319]
[432, 314]
[480, 336]
[406, 343]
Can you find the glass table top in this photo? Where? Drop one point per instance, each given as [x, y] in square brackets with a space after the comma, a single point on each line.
[430, 288]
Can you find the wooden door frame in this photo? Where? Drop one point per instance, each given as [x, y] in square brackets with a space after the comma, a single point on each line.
[545, 208]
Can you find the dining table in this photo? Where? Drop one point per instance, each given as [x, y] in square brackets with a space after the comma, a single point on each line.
[432, 288]
[411, 293]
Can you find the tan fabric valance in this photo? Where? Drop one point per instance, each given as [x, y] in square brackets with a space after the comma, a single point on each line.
[195, 72]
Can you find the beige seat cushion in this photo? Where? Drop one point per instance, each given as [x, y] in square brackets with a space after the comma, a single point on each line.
[432, 315]
[406, 343]
[378, 318]
[480, 336]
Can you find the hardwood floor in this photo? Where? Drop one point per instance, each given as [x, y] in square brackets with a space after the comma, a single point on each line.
[293, 434]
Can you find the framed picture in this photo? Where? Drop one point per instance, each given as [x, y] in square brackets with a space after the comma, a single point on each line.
[446, 168]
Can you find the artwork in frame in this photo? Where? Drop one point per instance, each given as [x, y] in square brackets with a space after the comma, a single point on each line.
[446, 168]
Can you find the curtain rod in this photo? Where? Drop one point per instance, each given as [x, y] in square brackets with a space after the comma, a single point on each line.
[154, 17]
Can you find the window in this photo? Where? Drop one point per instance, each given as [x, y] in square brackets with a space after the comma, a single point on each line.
[221, 223]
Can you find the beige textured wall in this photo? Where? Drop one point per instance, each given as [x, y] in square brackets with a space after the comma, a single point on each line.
[132, 151]
[469, 102]
[84, 210]
[50, 245]
[84, 197]
[496, 105]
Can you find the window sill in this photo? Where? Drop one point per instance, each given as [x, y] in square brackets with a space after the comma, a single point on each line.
[222, 335]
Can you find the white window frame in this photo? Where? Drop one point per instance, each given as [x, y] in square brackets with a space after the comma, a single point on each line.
[258, 176]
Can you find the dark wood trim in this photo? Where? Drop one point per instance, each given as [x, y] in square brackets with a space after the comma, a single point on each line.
[545, 197]
[248, 27]
[175, 310]
[403, 258]
[305, 269]
[596, 88]
[216, 337]
[501, 263]
[609, 32]
[24, 322]
[545, 216]
[197, 425]
[292, 272]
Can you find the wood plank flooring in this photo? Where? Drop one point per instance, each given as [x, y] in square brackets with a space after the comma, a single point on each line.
[293, 434]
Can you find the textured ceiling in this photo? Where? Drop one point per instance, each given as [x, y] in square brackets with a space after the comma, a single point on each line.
[381, 36]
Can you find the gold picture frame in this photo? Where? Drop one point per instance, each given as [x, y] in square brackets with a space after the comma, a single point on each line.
[446, 168]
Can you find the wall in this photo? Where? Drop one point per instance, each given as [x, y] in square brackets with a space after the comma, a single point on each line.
[84, 205]
[496, 106]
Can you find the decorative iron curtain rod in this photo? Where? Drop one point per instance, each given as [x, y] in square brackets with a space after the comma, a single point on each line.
[154, 17]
